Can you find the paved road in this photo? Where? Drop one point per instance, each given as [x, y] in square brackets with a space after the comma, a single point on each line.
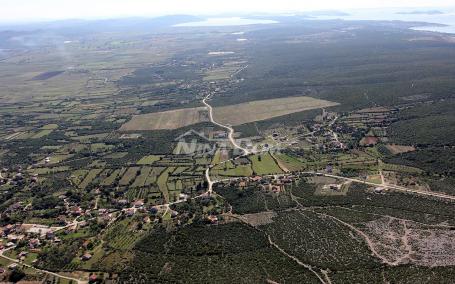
[396, 187]
[246, 152]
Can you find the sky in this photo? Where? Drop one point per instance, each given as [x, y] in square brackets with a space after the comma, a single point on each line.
[37, 10]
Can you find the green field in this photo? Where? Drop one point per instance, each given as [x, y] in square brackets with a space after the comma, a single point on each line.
[148, 160]
[264, 165]
[142, 177]
[92, 174]
[291, 163]
[129, 175]
[41, 133]
[162, 183]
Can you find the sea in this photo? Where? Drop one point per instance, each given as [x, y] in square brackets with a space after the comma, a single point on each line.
[444, 16]
[228, 21]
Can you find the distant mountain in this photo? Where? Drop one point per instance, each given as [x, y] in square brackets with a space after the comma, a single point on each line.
[37, 34]
[76, 25]
[429, 12]
[331, 13]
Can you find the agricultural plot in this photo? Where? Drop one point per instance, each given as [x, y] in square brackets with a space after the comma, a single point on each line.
[148, 160]
[100, 147]
[398, 149]
[122, 235]
[179, 170]
[135, 193]
[221, 73]
[41, 133]
[116, 155]
[129, 175]
[264, 164]
[57, 158]
[51, 126]
[91, 137]
[162, 182]
[289, 162]
[266, 109]
[153, 176]
[172, 119]
[112, 177]
[89, 178]
[142, 177]
[78, 176]
[216, 157]
[229, 169]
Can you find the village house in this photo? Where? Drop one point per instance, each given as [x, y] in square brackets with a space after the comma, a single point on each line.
[15, 238]
[34, 243]
[334, 187]
[212, 219]
[183, 196]
[13, 266]
[122, 202]
[219, 134]
[86, 256]
[139, 203]
[76, 211]
[174, 213]
[256, 178]
[129, 212]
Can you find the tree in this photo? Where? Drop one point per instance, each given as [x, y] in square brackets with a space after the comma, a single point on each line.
[16, 275]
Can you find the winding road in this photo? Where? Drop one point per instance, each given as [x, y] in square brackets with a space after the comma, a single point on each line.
[230, 137]
[246, 152]
[229, 128]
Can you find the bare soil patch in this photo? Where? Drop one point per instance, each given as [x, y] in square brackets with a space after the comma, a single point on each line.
[172, 119]
[397, 149]
[402, 241]
[259, 219]
[264, 109]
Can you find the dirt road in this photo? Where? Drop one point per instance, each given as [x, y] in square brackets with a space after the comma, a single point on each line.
[229, 128]
[39, 270]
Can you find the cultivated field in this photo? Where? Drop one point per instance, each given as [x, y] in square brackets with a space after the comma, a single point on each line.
[222, 73]
[261, 110]
[172, 119]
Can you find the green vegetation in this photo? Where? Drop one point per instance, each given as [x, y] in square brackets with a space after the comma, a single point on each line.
[96, 153]
[428, 124]
[264, 164]
[148, 160]
[234, 251]
[299, 232]
[253, 200]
